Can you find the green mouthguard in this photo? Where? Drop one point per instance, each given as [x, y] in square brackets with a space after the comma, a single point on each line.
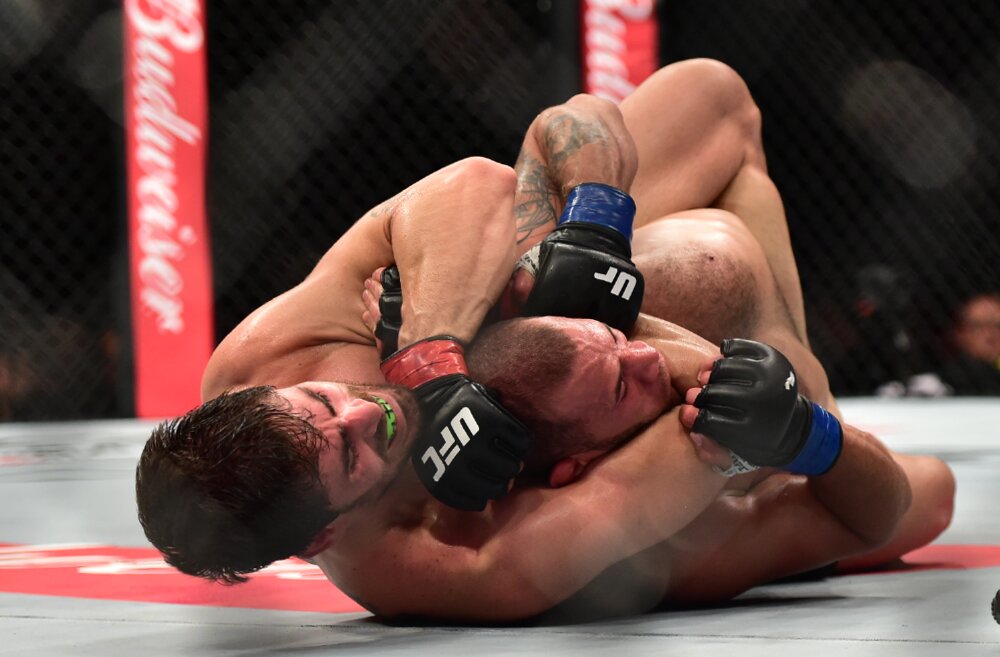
[390, 418]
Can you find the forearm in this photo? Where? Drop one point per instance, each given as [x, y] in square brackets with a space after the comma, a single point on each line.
[660, 481]
[866, 490]
[582, 140]
[634, 498]
[453, 242]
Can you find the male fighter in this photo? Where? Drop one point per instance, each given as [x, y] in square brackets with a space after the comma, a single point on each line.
[727, 270]
[724, 268]
[352, 473]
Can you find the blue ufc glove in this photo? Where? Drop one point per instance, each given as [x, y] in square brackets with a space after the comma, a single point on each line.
[752, 406]
[469, 447]
[584, 266]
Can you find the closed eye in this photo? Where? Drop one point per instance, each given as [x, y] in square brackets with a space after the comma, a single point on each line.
[349, 452]
[321, 398]
[620, 386]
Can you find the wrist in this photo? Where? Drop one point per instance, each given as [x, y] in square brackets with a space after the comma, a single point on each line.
[822, 446]
[459, 319]
[425, 361]
[604, 205]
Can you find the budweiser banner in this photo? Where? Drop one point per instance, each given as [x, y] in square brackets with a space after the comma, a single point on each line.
[166, 118]
[620, 46]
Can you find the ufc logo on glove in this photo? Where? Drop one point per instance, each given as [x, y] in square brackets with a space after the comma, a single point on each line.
[466, 473]
[457, 434]
[620, 280]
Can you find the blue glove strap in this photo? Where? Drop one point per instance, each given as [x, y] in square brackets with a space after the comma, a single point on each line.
[604, 205]
[822, 448]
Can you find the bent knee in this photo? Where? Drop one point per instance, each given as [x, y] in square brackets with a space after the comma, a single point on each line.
[725, 90]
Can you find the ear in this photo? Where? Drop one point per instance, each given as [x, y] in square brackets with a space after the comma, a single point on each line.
[570, 470]
[515, 294]
[320, 542]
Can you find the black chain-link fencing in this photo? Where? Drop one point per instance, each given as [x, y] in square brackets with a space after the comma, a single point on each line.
[878, 124]
[61, 223]
[321, 110]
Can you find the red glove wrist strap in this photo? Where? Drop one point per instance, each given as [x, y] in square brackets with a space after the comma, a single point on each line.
[425, 361]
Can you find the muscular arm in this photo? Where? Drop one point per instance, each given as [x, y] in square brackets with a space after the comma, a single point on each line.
[453, 225]
[788, 524]
[540, 546]
[582, 140]
[454, 246]
[866, 491]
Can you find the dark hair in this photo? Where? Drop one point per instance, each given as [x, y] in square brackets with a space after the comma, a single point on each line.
[232, 486]
[522, 359]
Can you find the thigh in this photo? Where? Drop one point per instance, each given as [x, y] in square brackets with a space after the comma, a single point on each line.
[705, 271]
[698, 134]
[691, 124]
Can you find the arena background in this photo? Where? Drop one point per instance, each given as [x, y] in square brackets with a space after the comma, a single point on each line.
[879, 125]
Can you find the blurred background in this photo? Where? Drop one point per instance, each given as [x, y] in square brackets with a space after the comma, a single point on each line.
[879, 123]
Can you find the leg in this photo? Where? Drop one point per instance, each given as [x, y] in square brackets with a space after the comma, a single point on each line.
[698, 134]
[706, 271]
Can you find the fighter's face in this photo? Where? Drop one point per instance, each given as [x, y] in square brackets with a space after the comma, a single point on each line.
[614, 386]
[367, 435]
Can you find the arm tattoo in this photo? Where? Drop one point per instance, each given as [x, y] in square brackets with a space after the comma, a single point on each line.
[534, 207]
[564, 135]
[540, 184]
[383, 208]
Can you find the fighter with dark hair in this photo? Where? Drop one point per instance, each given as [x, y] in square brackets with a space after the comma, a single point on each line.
[652, 515]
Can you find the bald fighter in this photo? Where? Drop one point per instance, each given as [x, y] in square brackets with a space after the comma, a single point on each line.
[357, 506]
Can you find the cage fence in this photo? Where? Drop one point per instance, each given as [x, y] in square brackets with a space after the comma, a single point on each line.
[878, 123]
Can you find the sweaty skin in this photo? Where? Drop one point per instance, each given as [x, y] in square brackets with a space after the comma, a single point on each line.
[711, 236]
[726, 274]
[650, 520]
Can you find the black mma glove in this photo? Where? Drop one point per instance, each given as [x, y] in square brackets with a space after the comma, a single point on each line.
[390, 305]
[752, 406]
[469, 448]
[583, 268]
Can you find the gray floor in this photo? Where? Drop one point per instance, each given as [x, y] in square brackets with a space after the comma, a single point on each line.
[72, 484]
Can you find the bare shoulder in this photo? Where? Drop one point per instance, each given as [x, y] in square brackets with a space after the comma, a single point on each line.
[685, 353]
[385, 577]
[428, 571]
[290, 336]
[650, 328]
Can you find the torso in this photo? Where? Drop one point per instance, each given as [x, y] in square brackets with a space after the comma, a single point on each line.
[639, 583]
[702, 273]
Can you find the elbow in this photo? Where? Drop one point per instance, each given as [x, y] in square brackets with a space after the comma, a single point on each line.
[487, 178]
[946, 499]
[937, 496]
[903, 500]
[896, 502]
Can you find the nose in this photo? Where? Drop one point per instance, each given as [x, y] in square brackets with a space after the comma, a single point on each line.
[641, 361]
[360, 419]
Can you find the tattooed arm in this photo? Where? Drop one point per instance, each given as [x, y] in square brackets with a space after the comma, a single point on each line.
[582, 140]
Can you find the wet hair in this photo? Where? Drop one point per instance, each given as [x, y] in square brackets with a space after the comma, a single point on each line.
[232, 486]
[522, 359]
